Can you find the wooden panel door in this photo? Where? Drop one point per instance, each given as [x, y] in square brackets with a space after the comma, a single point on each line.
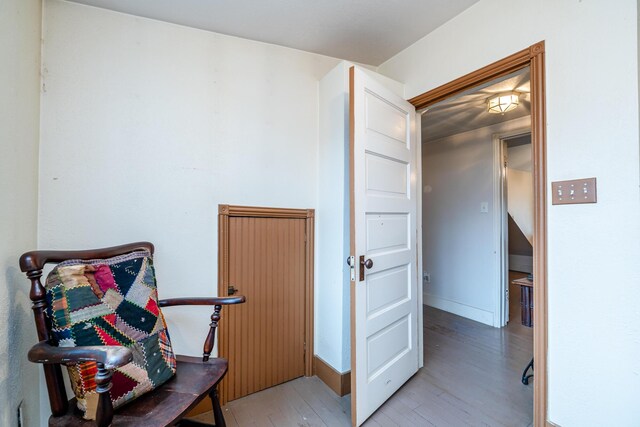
[384, 295]
[264, 340]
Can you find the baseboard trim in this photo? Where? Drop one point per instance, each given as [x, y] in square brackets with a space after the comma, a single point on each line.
[463, 310]
[339, 383]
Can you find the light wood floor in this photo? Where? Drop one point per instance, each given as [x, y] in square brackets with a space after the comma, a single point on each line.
[471, 378]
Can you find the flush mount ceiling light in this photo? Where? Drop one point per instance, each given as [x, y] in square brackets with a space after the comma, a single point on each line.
[503, 102]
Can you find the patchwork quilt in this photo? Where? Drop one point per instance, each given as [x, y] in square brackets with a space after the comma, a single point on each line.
[111, 302]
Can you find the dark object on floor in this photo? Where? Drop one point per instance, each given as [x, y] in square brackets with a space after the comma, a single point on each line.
[196, 378]
[525, 377]
[526, 303]
[526, 300]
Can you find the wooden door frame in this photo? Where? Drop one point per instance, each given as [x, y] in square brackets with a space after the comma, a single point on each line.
[227, 211]
[533, 57]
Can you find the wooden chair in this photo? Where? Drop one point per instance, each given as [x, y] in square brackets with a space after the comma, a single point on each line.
[195, 378]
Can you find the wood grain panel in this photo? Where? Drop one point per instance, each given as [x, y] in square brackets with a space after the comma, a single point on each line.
[267, 255]
[266, 264]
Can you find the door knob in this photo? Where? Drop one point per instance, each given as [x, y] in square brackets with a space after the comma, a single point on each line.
[364, 264]
[231, 290]
[350, 261]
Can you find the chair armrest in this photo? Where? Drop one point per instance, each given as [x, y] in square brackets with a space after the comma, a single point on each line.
[217, 302]
[109, 356]
[170, 302]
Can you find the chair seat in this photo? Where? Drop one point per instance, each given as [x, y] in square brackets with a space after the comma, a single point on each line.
[165, 405]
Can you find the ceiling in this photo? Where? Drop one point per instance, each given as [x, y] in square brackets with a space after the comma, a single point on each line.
[365, 31]
[469, 110]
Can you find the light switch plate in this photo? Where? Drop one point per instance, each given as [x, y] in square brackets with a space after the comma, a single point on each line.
[574, 191]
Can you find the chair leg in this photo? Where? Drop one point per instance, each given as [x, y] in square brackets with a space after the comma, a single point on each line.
[525, 377]
[218, 417]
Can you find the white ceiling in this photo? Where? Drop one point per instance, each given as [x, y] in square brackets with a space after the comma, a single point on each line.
[365, 31]
[469, 110]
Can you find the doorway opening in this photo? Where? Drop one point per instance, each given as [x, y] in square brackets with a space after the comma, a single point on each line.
[517, 227]
[533, 57]
[477, 187]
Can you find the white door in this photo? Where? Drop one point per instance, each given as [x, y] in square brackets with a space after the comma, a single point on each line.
[384, 295]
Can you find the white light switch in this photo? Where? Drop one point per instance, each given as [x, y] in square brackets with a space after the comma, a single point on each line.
[484, 207]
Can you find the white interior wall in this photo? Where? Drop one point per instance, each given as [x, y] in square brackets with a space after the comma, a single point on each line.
[333, 339]
[148, 126]
[520, 188]
[20, 24]
[459, 250]
[592, 369]
[519, 157]
[332, 218]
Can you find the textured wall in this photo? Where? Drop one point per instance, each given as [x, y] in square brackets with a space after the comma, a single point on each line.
[592, 130]
[148, 126]
[20, 24]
